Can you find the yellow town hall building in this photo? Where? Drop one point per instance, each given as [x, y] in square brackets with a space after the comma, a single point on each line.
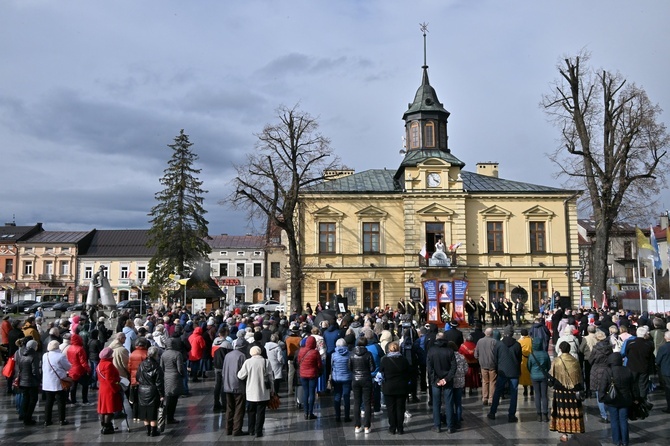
[367, 235]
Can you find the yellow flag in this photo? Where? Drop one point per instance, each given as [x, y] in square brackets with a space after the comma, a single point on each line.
[183, 281]
[642, 241]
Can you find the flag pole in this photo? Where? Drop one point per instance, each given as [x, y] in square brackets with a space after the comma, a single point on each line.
[639, 282]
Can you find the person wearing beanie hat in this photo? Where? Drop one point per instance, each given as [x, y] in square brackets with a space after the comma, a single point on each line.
[234, 388]
[110, 400]
[55, 367]
[259, 383]
[220, 348]
[28, 366]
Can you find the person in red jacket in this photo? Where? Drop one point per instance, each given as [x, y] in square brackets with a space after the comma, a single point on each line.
[309, 366]
[196, 353]
[80, 371]
[110, 398]
[136, 357]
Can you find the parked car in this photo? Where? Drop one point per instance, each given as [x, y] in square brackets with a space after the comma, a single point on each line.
[19, 307]
[33, 308]
[133, 304]
[268, 305]
[77, 307]
[61, 306]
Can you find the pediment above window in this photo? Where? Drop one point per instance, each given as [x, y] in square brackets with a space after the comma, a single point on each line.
[372, 212]
[495, 212]
[539, 211]
[437, 210]
[328, 212]
[432, 162]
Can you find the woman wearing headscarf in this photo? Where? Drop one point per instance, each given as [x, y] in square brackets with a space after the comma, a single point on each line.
[28, 365]
[598, 359]
[395, 370]
[567, 413]
[538, 366]
[110, 397]
[174, 371]
[626, 392]
[54, 368]
[80, 371]
[151, 390]
[257, 371]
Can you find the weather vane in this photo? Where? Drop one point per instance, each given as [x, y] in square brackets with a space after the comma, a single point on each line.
[424, 30]
[424, 27]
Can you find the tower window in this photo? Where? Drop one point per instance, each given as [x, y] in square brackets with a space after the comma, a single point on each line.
[414, 135]
[430, 134]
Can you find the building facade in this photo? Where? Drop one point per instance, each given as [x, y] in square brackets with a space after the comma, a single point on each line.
[377, 236]
[10, 235]
[238, 265]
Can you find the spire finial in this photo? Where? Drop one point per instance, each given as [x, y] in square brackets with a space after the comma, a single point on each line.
[424, 29]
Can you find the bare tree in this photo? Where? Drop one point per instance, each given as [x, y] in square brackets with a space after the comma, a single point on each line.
[289, 156]
[612, 145]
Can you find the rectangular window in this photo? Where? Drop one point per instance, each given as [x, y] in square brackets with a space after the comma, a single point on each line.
[371, 293]
[65, 268]
[88, 272]
[434, 231]
[496, 290]
[414, 135]
[125, 272]
[326, 238]
[538, 237]
[627, 249]
[9, 266]
[430, 134]
[274, 270]
[630, 275]
[142, 273]
[370, 238]
[494, 237]
[539, 291]
[257, 269]
[28, 267]
[239, 270]
[327, 292]
[48, 267]
[223, 269]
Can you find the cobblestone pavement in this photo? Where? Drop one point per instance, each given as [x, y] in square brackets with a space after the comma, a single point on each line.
[200, 425]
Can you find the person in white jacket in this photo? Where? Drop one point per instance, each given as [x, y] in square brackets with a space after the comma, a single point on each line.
[275, 352]
[257, 371]
[54, 368]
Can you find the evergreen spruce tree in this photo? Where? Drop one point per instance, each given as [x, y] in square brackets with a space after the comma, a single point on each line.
[178, 228]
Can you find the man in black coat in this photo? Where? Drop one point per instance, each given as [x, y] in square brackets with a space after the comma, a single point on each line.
[508, 363]
[454, 334]
[441, 368]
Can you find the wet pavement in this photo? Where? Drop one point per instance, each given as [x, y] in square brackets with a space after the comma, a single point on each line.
[287, 426]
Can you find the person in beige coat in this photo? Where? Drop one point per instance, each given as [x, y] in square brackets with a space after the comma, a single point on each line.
[121, 356]
[257, 371]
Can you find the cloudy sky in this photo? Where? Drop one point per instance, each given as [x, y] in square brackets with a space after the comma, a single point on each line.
[93, 91]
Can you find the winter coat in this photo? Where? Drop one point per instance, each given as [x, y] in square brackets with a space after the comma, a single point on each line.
[257, 371]
[663, 359]
[340, 365]
[110, 398]
[598, 359]
[131, 337]
[640, 355]
[30, 331]
[572, 341]
[441, 363]
[330, 337]
[198, 345]
[120, 358]
[276, 358]
[28, 365]
[54, 367]
[309, 361]
[231, 365]
[484, 352]
[93, 348]
[376, 351]
[220, 348]
[172, 363]
[136, 357]
[461, 370]
[76, 355]
[395, 370]
[508, 359]
[151, 388]
[623, 381]
[539, 363]
[361, 364]
[526, 347]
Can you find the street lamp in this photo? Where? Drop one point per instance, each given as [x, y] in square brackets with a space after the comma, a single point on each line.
[139, 287]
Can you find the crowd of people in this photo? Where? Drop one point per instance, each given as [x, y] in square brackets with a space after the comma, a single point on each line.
[383, 357]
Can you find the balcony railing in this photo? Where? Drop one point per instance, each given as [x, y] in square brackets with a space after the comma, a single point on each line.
[45, 277]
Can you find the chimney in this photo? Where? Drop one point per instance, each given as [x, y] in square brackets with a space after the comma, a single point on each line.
[489, 169]
[664, 220]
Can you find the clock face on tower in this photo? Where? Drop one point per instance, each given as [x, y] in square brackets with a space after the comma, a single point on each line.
[433, 179]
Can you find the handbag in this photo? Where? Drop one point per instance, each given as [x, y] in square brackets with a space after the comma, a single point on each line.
[160, 421]
[274, 402]
[8, 369]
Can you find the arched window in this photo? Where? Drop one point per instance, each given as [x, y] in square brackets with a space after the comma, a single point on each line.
[414, 135]
[430, 134]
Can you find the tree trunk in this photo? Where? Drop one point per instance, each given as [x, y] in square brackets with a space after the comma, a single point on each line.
[296, 272]
[599, 266]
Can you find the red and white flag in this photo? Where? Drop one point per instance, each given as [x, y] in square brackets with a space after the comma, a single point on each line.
[605, 300]
[423, 253]
[595, 303]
